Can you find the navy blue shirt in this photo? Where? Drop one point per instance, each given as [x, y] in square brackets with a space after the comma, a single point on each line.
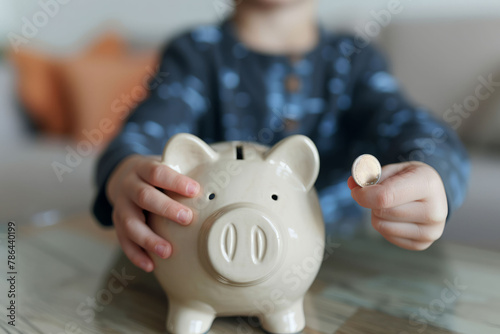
[342, 97]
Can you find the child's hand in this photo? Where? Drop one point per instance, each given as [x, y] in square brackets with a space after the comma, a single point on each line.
[131, 189]
[409, 206]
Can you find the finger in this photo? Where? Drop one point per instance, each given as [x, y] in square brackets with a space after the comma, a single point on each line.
[132, 225]
[153, 200]
[405, 230]
[392, 169]
[135, 254]
[408, 243]
[351, 183]
[162, 176]
[414, 212]
[406, 185]
[388, 170]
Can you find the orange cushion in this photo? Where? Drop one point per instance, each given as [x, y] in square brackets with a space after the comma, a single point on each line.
[105, 88]
[76, 94]
[41, 91]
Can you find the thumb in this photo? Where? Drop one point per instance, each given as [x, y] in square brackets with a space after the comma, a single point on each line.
[351, 183]
[369, 197]
[389, 171]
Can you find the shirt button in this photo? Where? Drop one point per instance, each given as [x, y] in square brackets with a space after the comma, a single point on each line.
[291, 124]
[292, 83]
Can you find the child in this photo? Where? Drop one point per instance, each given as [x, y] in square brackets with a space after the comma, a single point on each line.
[266, 73]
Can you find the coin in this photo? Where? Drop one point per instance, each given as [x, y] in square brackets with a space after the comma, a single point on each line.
[366, 170]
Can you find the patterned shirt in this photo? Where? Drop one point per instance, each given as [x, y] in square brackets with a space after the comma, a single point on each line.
[340, 95]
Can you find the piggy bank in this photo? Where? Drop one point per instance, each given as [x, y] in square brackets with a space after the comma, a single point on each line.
[257, 237]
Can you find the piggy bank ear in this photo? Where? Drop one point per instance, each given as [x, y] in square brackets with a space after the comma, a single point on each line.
[183, 152]
[296, 155]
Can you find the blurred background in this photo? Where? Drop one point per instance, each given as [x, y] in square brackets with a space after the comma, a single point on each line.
[65, 64]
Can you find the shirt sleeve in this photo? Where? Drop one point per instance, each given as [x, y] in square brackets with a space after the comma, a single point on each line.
[396, 131]
[177, 102]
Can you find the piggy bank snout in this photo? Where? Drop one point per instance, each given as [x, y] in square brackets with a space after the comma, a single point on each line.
[241, 245]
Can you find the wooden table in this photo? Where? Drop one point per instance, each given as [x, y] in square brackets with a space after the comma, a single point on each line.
[66, 283]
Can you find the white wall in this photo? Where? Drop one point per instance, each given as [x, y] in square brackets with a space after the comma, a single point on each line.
[152, 20]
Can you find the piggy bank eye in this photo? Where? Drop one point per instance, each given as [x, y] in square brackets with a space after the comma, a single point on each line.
[211, 196]
[274, 197]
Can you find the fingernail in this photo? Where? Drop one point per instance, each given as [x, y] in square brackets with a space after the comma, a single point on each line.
[145, 266]
[160, 250]
[184, 216]
[192, 189]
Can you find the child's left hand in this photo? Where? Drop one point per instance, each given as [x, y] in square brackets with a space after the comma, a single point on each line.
[409, 206]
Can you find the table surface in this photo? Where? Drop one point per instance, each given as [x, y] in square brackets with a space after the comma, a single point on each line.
[365, 286]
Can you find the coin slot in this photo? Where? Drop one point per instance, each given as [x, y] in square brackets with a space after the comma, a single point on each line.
[239, 152]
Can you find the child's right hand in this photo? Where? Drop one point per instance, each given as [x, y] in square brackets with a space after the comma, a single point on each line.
[131, 189]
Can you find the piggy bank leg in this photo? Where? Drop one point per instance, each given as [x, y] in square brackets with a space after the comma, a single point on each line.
[183, 319]
[285, 321]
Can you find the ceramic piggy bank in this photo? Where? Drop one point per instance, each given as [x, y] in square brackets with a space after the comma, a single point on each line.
[257, 237]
